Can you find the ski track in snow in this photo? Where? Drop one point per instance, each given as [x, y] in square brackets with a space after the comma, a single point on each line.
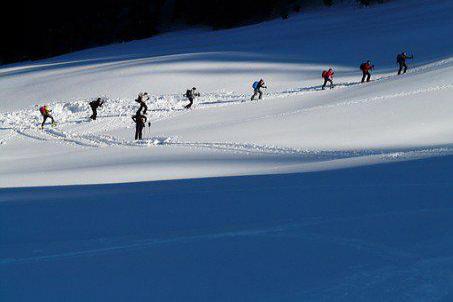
[106, 245]
[115, 115]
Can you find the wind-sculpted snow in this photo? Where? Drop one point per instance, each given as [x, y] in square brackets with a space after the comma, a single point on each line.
[215, 119]
[74, 126]
[297, 127]
[115, 114]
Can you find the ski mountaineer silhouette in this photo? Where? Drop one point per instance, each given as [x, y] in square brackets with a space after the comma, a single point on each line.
[45, 112]
[257, 89]
[140, 121]
[190, 95]
[328, 78]
[94, 107]
[366, 67]
[401, 61]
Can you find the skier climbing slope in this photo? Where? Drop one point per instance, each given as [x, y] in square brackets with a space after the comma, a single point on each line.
[45, 112]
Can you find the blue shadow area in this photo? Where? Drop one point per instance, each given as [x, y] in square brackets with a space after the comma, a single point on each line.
[375, 233]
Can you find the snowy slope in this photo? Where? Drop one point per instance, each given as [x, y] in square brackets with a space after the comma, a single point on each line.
[373, 233]
[295, 128]
[355, 204]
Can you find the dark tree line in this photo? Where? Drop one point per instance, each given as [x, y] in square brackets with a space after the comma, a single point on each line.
[43, 29]
[39, 29]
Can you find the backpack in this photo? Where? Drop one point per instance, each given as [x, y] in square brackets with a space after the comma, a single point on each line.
[324, 73]
[255, 85]
[362, 66]
[188, 93]
[43, 110]
[399, 58]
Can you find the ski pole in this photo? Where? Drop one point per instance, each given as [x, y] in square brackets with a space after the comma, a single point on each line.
[149, 129]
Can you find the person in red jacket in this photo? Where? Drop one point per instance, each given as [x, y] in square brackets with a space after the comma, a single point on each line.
[328, 77]
[366, 68]
[45, 112]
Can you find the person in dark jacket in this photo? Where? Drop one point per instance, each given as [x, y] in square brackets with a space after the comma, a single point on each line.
[366, 68]
[94, 107]
[141, 99]
[257, 89]
[190, 95]
[401, 60]
[328, 78]
[140, 122]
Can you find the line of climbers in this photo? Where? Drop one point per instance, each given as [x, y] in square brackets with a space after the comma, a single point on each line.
[366, 68]
[140, 118]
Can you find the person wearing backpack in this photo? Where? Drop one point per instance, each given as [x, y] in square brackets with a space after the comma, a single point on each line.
[366, 67]
[257, 89]
[141, 99]
[140, 121]
[94, 107]
[190, 95]
[327, 75]
[401, 61]
[45, 112]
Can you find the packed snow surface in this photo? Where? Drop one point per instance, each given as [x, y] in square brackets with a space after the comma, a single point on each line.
[296, 127]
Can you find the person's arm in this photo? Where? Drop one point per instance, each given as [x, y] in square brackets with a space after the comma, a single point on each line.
[134, 118]
[145, 118]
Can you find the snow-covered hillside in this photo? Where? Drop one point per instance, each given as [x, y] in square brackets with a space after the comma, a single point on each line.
[370, 222]
[295, 128]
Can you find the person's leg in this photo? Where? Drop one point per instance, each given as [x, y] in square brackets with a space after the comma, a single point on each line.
[325, 83]
[331, 83]
[136, 131]
[400, 69]
[51, 117]
[254, 94]
[260, 94]
[368, 77]
[190, 103]
[44, 118]
[140, 132]
[363, 76]
[405, 68]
